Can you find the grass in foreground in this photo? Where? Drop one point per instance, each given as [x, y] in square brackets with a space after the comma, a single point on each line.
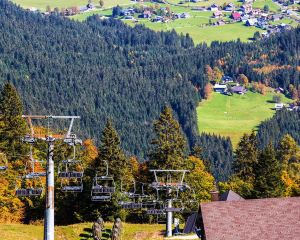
[80, 231]
[234, 115]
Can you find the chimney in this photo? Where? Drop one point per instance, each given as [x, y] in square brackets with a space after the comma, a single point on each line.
[215, 194]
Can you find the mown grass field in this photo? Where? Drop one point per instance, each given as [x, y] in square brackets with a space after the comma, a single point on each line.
[234, 115]
[80, 231]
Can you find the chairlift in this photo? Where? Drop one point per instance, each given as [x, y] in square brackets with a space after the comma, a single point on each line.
[157, 209]
[132, 193]
[72, 140]
[103, 187]
[70, 168]
[131, 205]
[35, 190]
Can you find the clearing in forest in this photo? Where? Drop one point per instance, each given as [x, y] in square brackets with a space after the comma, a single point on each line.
[235, 115]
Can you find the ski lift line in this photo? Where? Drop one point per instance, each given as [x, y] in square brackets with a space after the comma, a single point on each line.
[50, 116]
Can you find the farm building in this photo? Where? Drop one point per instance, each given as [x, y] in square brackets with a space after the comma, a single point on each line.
[220, 88]
[226, 79]
[238, 89]
[265, 219]
[251, 22]
[217, 14]
[214, 7]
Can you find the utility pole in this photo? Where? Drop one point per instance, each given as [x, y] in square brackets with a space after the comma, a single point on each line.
[49, 211]
[169, 220]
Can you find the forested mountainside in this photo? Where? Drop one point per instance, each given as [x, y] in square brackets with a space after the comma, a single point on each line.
[103, 68]
[272, 130]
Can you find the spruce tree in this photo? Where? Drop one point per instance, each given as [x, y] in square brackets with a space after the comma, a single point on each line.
[12, 125]
[110, 150]
[169, 145]
[246, 157]
[267, 182]
[287, 150]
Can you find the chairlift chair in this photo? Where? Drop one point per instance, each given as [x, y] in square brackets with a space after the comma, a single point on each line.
[70, 168]
[103, 187]
[72, 185]
[28, 139]
[30, 191]
[34, 170]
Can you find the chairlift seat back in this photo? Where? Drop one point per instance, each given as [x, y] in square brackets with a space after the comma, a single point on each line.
[70, 174]
[155, 212]
[72, 188]
[101, 198]
[28, 192]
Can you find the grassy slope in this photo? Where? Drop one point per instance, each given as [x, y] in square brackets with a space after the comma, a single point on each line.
[79, 231]
[234, 115]
[41, 4]
[261, 3]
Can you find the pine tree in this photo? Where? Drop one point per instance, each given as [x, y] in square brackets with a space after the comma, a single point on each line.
[110, 150]
[287, 150]
[12, 125]
[169, 145]
[267, 182]
[246, 157]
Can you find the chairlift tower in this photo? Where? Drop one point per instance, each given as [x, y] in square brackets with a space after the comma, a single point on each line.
[68, 138]
[167, 185]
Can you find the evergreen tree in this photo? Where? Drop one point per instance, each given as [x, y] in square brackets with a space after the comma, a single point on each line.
[169, 145]
[12, 125]
[287, 150]
[267, 182]
[246, 157]
[110, 150]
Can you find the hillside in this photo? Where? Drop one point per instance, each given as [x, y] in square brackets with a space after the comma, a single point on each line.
[235, 115]
[79, 231]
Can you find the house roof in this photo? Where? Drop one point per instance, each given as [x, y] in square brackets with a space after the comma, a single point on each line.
[238, 89]
[230, 196]
[220, 86]
[236, 15]
[264, 219]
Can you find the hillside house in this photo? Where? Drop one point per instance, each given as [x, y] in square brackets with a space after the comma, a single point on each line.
[230, 7]
[214, 7]
[220, 88]
[238, 90]
[265, 219]
[226, 79]
[217, 14]
[278, 106]
[128, 12]
[147, 14]
[236, 16]
[276, 17]
[251, 22]
[247, 8]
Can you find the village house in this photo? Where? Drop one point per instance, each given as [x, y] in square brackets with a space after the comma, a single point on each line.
[238, 89]
[246, 8]
[278, 106]
[128, 12]
[147, 14]
[234, 218]
[214, 7]
[220, 88]
[217, 14]
[230, 7]
[226, 79]
[236, 16]
[219, 23]
[251, 22]
[276, 17]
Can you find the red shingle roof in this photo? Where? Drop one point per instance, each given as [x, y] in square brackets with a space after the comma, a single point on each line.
[263, 219]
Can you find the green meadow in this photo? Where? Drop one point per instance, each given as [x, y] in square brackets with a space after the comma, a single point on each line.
[81, 231]
[235, 115]
[261, 3]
